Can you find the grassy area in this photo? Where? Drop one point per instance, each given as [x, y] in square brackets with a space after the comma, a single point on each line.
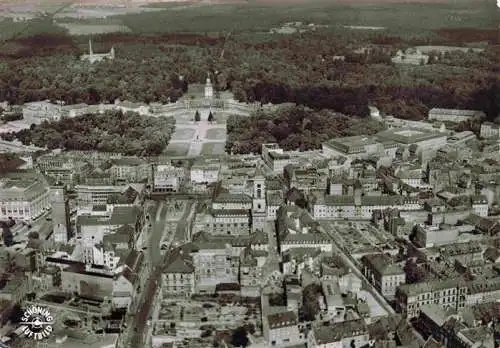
[9, 28]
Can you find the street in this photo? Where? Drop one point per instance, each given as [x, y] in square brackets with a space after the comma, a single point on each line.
[159, 230]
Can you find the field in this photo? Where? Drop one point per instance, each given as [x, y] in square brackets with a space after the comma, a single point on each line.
[89, 29]
[213, 149]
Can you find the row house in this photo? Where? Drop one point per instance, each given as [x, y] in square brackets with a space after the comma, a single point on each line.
[483, 290]
[214, 263]
[452, 330]
[295, 260]
[352, 333]
[251, 272]
[314, 240]
[450, 293]
[465, 253]
[357, 206]
[305, 179]
[204, 172]
[167, 178]
[130, 169]
[178, 274]
[282, 329]
[383, 273]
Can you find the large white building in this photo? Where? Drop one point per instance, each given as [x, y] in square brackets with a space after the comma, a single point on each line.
[23, 196]
[385, 143]
[454, 115]
[167, 178]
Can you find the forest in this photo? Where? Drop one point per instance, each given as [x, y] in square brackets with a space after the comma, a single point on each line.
[333, 72]
[113, 131]
[300, 69]
[293, 127]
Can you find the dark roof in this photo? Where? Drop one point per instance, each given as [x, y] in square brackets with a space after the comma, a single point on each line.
[10, 163]
[126, 197]
[227, 287]
[179, 260]
[382, 328]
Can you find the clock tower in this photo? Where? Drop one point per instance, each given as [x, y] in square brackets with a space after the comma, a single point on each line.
[259, 207]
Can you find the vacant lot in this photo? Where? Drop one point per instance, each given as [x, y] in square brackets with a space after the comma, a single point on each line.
[89, 29]
[216, 134]
[177, 149]
[213, 149]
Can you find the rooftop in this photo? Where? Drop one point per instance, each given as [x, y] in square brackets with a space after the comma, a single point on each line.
[408, 136]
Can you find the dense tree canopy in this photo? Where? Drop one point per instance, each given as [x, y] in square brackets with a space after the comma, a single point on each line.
[302, 68]
[114, 131]
[293, 127]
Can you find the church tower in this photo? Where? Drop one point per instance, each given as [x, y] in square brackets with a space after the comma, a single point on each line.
[259, 207]
[209, 90]
[60, 214]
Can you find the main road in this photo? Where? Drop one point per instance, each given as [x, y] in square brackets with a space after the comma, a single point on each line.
[147, 296]
[157, 231]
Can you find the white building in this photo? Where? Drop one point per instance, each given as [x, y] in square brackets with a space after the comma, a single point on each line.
[167, 178]
[42, 111]
[454, 115]
[490, 130]
[204, 173]
[282, 330]
[88, 195]
[346, 334]
[23, 196]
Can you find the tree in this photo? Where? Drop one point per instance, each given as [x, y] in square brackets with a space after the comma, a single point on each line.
[197, 117]
[210, 116]
[239, 337]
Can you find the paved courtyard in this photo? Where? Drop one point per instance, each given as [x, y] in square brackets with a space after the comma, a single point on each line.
[198, 138]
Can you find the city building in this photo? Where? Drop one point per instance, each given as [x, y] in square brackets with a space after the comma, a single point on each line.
[453, 115]
[282, 329]
[383, 273]
[24, 195]
[449, 293]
